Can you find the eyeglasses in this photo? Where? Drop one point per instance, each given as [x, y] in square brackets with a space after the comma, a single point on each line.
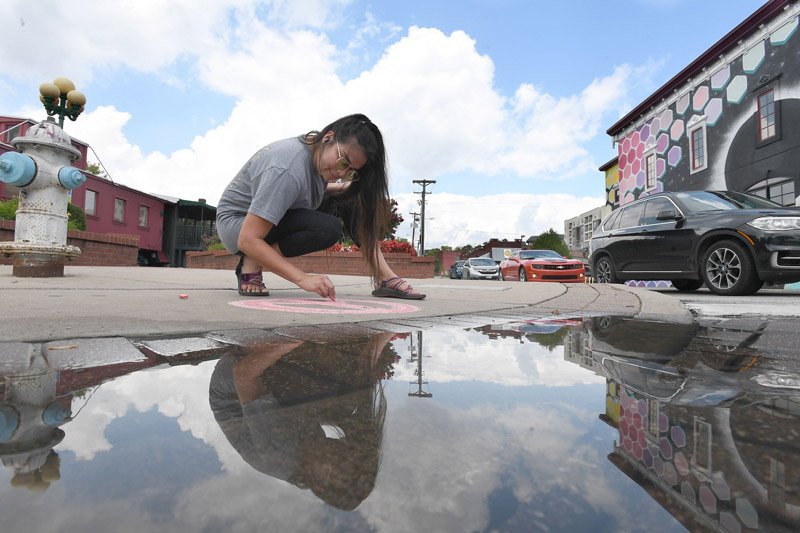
[344, 164]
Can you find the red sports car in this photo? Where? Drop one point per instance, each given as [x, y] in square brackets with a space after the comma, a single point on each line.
[541, 265]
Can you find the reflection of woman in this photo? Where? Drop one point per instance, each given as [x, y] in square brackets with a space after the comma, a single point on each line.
[307, 414]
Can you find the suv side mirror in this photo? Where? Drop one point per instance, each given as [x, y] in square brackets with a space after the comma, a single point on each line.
[668, 214]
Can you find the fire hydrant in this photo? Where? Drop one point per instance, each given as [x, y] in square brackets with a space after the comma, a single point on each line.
[42, 171]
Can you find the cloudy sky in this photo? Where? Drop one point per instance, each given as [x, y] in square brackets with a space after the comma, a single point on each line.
[504, 103]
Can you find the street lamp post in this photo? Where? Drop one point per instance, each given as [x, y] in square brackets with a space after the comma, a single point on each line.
[60, 98]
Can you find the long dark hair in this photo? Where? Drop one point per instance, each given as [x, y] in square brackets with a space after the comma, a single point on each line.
[371, 191]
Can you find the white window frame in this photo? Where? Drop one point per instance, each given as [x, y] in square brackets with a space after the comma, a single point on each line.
[93, 212]
[146, 210]
[697, 123]
[701, 456]
[123, 203]
[646, 157]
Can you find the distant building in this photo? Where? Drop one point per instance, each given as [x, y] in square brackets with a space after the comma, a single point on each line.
[445, 259]
[167, 227]
[578, 230]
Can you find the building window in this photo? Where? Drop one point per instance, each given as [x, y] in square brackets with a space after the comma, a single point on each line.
[698, 148]
[779, 190]
[90, 203]
[12, 133]
[650, 169]
[702, 445]
[144, 213]
[767, 116]
[653, 412]
[119, 210]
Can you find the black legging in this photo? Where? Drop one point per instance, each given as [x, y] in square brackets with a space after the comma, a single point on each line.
[302, 231]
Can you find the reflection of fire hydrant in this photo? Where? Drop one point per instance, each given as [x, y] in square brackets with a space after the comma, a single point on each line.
[30, 414]
[43, 173]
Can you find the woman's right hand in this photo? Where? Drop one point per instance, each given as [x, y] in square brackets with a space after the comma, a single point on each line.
[318, 283]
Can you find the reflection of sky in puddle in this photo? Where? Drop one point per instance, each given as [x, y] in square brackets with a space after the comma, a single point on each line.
[510, 438]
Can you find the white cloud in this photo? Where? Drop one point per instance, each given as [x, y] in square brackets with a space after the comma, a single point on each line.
[455, 219]
[433, 95]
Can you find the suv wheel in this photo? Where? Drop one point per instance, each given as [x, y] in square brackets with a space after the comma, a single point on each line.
[604, 271]
[522, 276]
[687, 284]
[728, 270]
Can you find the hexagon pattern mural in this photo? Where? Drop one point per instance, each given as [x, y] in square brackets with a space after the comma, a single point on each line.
[782, 34]
[713, 111]
[720, 78]
[700, 98]
[706, 99]
[682, 104]
[736, 89]
[753, 58]
[676, 131]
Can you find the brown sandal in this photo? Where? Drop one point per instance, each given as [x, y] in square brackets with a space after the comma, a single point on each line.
[397, 287]
[252, 279]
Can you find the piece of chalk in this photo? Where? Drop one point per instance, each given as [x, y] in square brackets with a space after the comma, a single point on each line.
[183, 296]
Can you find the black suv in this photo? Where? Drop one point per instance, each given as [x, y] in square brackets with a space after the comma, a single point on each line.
[731, 241]
[456, 269]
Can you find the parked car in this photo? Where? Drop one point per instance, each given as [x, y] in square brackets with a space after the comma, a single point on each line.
[480, 268]
[455, 269]
[541, 265]
[731, 241]
[587, 267]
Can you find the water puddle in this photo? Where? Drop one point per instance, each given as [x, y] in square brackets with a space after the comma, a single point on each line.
[463, 424]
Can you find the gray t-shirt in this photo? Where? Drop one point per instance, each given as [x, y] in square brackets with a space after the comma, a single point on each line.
[279, 177]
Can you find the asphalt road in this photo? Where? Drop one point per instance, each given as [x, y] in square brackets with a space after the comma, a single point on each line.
[777, 303]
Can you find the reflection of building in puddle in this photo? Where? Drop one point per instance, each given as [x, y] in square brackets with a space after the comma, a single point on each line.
[308, 414]
[37, 385]
[548, 332]
[697, 427]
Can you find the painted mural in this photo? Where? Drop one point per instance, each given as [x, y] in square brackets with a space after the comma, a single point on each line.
[725, 105]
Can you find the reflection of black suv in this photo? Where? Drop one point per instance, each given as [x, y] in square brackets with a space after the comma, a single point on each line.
[733, 242]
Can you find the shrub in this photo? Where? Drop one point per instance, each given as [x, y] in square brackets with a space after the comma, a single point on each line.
[8, 209]
[76, 218]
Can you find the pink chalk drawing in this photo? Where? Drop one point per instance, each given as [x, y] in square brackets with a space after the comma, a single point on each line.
[326, 307]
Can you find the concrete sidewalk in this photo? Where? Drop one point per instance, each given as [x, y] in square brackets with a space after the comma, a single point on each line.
[133, 301]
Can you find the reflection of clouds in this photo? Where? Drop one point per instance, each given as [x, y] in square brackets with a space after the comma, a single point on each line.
[456, 355]
[441, 463]
[444, 464]
[178, 392]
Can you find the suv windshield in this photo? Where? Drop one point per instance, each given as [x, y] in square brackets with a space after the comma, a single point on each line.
[482, 262]
[539, 254]
[699, 201]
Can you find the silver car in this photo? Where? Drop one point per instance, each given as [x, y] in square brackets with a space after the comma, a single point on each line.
[480, 268]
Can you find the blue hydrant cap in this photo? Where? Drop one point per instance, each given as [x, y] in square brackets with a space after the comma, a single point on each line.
[56, 414]
[70, 177]
[9, 421]
[17, 169]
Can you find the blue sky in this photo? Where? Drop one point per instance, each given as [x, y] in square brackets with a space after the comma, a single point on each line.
[504, 103]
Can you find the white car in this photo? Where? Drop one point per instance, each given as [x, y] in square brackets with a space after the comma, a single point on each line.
[480, 268]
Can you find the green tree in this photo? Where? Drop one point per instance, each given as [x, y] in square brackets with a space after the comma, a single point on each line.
[395, 219]
[94, 168]
[550, 240]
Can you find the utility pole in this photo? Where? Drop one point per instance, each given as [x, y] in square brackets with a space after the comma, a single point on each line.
[414, 219]
[424, 184]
